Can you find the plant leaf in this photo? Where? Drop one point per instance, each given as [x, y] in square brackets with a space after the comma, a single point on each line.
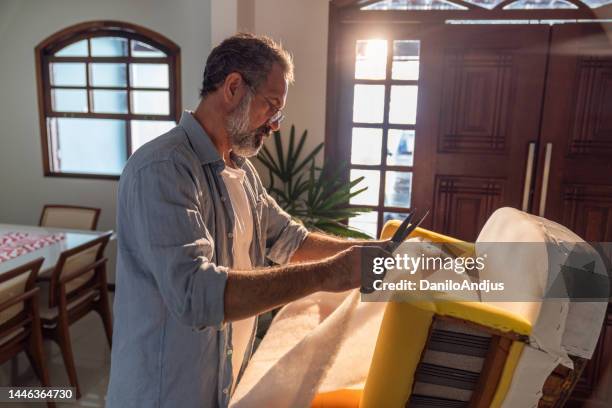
[309, 157]
[278, 144]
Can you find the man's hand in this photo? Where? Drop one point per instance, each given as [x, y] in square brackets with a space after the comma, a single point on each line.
[346, 268]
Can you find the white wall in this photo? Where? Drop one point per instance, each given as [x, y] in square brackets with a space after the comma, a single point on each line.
[301, 26]
[224, 16]
[23, 24]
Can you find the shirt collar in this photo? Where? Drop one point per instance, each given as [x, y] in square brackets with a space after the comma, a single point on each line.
[203, 146]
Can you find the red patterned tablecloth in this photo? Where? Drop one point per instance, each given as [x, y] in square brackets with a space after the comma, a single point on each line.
[14, 244]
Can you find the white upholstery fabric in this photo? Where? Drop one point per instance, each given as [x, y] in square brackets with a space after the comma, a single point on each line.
[320, 343]
[560, 326]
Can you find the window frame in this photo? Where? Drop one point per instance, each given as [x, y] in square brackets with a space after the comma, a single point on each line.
[44, 55]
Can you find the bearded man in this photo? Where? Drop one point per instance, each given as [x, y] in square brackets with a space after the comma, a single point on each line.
[195, 227]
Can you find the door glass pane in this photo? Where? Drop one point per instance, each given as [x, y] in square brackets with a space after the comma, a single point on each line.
[90, 145]
[151, 102]
[540, 4]
[149, 75]
[144, 131]
[103, 74]
[371, 59]
[140, 49]
[488, 4]
[414, 5]
[366, 222]
[368, 103]
[400, 147]
[109, 101]
[403, 104]
[388, 216]
[69, 100]
[398, 188]
[109, 47]
[366, 145]
[77, 49]
[371, 181]
[405, 60]
[68, 74]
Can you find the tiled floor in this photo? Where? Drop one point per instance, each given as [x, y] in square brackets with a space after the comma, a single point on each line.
[92, 358]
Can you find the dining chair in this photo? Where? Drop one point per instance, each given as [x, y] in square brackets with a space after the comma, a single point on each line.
[69, 216]
[20, 328]
[76, 287]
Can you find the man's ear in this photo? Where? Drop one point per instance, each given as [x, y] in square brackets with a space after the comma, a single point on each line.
[233, 89]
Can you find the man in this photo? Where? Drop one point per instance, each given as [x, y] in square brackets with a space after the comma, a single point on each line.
[194, 229]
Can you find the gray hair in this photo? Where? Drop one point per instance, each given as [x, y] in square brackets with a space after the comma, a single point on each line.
[250, 55]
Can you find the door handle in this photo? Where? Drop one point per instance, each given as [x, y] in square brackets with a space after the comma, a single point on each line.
[528, 176]
[545, 177]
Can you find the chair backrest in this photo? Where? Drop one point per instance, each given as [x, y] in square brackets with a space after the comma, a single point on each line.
[431, 354]
[14, 284]
[453, 354]
[69, 216]
[82, 261]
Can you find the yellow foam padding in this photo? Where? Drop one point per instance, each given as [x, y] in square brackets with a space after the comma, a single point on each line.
[401, 340]
[508, 372]
[486, 315]
[481, 313]
[403, 334]
[402, 337]
[463, 247]
[337, 399]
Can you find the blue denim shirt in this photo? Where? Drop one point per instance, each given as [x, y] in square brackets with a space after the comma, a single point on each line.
[171, 347]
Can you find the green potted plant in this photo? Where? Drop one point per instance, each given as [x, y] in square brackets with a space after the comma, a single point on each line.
[315, 196]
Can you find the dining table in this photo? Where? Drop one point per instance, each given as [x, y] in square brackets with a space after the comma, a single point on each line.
[20, 244]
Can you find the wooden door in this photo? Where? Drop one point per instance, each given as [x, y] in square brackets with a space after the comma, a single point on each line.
[577, 133]
[479, 109]
[378, 106]
[574, 177]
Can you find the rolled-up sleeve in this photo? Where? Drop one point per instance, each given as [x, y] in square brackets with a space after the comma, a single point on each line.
[283, 235]
[174, 244]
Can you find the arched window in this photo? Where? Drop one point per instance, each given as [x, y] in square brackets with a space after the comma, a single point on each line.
[104, 89]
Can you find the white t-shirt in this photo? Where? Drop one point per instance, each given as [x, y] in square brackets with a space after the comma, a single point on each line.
[242, 236]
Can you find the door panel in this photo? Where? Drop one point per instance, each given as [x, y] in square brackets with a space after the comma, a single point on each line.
[480, 108]
[577, 128]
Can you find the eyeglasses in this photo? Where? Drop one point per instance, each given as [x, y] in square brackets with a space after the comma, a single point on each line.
[278, 115]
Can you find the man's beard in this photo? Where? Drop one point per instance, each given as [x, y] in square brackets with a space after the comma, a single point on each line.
[245, 142]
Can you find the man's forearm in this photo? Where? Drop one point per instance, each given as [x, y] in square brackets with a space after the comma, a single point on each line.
[248, 293]
[318, 246]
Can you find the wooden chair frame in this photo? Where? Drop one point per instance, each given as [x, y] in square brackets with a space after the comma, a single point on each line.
[96, 212]
[27, 320]
[73, 305]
